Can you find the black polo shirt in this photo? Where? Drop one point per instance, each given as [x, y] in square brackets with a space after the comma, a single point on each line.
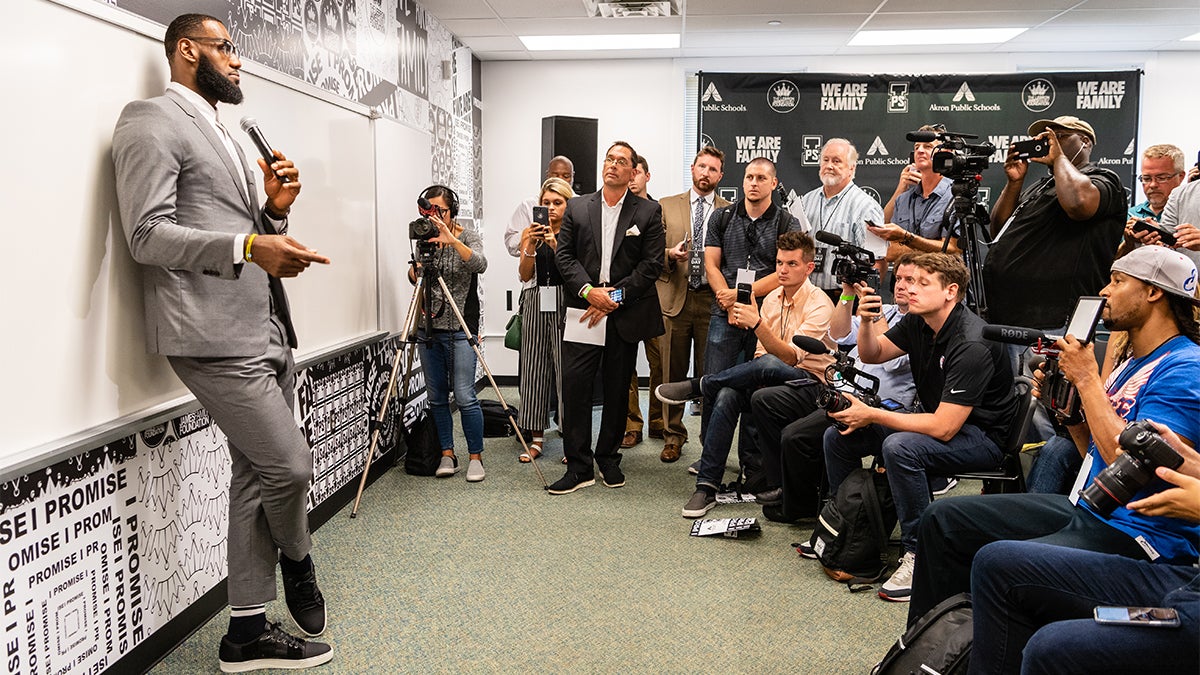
[958, 366]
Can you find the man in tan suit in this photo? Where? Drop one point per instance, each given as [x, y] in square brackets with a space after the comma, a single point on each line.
[683, 287]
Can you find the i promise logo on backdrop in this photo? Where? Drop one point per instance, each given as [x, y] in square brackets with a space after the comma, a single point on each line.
[783, 96]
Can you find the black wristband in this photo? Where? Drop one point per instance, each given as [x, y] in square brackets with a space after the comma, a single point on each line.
[755, 327]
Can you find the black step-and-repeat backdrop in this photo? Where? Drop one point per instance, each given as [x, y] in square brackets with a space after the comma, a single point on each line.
[786, 117]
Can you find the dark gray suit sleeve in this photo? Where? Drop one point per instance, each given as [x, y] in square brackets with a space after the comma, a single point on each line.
[567, 254]
[650, 262]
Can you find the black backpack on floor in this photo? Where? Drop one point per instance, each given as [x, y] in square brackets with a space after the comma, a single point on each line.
[495, 419]
[851, 537]
[939, 642]
[423, 453]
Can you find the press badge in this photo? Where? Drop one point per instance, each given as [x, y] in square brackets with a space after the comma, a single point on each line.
[745, 276]
[548, 298]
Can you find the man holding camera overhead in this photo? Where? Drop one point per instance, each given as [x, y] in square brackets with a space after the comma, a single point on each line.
[1151, 295]
[1055, 239]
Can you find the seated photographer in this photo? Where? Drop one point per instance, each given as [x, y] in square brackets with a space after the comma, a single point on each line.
[447, 358]
[791, 424]
[1150, 296]
[964, 383]
[1033, 603]
[796, 308]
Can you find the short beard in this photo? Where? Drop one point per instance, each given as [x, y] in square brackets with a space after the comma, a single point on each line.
[213, 84]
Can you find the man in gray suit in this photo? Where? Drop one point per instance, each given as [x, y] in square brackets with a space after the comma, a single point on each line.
[215, 307]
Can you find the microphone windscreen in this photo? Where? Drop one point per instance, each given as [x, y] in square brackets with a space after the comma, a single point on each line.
[248, 123]
[1012, 334]
[828, 238]
[424, 204]
[921, 136]
[810, 345]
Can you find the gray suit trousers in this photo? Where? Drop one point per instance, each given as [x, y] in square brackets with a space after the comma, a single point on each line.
[250, 399]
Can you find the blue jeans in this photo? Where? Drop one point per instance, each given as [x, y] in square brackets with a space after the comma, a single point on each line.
[1056, 466]
[727, 346]
[908, 457]
[726, 397]
[446, 357]
[1033, 606]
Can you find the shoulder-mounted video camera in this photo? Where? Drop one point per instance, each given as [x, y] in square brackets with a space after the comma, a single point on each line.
[851, 264]
[955, 157]
[1058, 394]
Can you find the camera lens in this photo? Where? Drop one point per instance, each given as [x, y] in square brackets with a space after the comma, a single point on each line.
[832, 401]
[1117, 484]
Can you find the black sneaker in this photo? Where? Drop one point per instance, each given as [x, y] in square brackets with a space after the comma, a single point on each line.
[613, 477]
[806, 550]
[272, 649]
[570, 483]
[304, 601]
[701, 503]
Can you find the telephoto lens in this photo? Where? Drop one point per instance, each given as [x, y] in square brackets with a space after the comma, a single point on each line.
[1133, 469]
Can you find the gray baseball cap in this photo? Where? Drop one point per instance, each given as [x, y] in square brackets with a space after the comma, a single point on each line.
[1159, 266]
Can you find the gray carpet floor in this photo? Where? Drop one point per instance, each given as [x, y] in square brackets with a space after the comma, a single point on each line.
[445, 576]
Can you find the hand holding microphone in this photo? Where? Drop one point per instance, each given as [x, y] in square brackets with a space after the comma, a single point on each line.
[281, 179]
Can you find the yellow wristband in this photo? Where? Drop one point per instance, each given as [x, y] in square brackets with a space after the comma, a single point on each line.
[249, 243]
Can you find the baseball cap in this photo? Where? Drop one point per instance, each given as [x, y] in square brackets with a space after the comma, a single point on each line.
[1159, 266]
[1065, 122]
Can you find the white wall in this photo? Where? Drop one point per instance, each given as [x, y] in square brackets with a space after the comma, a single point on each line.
[642, 101]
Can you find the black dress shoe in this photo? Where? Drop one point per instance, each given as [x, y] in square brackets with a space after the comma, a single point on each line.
[570, 483]
[613, 477]
[770, 497]
[272, 649]
[304, 601]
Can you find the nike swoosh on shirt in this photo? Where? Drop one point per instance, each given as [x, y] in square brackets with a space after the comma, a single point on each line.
[957, 391]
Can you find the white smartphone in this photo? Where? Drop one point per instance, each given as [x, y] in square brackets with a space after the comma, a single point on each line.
[1158, 617]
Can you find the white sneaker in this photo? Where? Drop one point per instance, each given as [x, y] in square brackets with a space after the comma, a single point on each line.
[944, 485]
[475, 471]
[898, 587]
[447, 467]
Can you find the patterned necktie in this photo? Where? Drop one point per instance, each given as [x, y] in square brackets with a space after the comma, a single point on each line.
[696, 263]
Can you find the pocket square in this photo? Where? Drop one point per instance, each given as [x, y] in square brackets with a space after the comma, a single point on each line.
[633, 232]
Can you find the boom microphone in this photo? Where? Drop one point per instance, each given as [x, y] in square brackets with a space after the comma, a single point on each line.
[1015, 335]
[921, 136]
[828, 238]
[810, 345]
[250, 126]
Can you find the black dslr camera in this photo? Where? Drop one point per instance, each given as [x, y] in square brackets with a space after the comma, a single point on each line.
[1133, 469]
[841, 373]
[851, 264]
[956, 158]
[423, 231]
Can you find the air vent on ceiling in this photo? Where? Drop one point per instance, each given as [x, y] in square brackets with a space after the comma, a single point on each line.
[619, 9]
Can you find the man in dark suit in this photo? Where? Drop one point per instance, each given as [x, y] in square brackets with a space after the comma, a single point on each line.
[215, 307]
[611, 243]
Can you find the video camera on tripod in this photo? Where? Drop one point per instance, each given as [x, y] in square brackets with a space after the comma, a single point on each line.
[851, 264]
[423, 231]
[955, 157]
[843, 373]
[1058, 394]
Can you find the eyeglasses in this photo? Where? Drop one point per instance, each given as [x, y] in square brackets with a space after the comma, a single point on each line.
[1158, 178]
[618, 161]
[224, 46]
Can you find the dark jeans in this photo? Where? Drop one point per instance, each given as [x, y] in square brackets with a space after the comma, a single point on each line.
[1038, 599]
[909, 459]
[953, 530]
[1056, 467]
[790, 428]
[726, 397]
[727, 347]
[581, 362]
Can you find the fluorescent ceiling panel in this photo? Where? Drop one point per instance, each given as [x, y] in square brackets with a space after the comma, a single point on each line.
[933, 36]
[568, 43]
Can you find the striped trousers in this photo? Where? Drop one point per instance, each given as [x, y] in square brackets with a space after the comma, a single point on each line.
[541, 359]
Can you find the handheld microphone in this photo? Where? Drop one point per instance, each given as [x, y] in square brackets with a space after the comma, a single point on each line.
[1015, 335]
[829, 238]
[921, 136]
[250, 126]
[810, 345]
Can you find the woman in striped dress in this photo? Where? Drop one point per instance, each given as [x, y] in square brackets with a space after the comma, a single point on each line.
[542, 313]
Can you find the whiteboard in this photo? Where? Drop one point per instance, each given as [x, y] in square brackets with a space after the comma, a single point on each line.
[72, 299]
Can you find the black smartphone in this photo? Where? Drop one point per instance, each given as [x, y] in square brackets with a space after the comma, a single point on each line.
[744, 294]
[1034, 147]
[1085, 317]
[1143, 225]
[541, 215]
[1157, 617]
[889, 404]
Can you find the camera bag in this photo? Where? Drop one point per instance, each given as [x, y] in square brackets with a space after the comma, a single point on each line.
[939, 642]
[423, 450]
[495, 419]
[851, 537]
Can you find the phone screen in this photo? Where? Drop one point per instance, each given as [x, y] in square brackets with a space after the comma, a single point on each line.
[1084, 318]
[1137, 616]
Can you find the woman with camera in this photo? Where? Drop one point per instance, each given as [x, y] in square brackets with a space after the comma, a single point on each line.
[446, 357]
[542, 311]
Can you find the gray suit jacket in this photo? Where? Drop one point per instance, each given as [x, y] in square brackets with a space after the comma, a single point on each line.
[182, 208]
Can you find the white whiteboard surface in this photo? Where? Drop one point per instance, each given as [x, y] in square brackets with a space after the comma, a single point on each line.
[72, 305]
[402, 161]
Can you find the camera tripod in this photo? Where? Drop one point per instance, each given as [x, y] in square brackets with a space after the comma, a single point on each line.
[426, 275]
[966, 191]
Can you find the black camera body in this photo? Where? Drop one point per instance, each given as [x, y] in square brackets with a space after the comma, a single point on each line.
[956, 158]
[1132, 470]
[852, 265]
[422, 229]
[844, 371]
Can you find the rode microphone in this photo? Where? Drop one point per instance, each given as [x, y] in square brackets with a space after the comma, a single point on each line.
[1015, 335]
[250, 126]
[810, 345]
[828, 238]
[921, 136]
[425, 208]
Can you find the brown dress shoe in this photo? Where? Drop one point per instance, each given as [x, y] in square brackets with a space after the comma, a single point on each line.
[631, 439]
[670, 452]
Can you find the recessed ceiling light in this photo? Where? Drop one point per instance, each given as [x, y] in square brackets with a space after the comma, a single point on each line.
[774, 22]
[933, 36]
[1191, 38]
[569, 43]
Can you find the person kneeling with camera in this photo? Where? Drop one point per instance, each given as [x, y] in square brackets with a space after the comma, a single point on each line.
[1151, 296]
[964, 384]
